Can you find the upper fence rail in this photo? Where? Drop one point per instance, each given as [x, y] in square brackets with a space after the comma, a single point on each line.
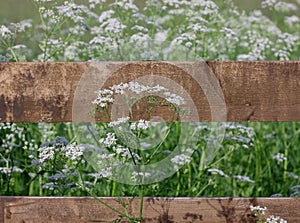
[252, 91]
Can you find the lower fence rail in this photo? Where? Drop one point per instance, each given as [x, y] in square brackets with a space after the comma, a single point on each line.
[155, 209]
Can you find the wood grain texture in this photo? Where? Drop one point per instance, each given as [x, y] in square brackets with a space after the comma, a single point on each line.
[253, 91]
[204, 210]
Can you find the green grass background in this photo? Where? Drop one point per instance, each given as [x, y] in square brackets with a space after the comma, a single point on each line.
[16, 10]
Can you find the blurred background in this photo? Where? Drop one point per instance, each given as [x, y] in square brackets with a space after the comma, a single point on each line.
[16, 10]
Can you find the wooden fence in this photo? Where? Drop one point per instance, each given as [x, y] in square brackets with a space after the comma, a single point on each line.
[252, 91]
[165, 210]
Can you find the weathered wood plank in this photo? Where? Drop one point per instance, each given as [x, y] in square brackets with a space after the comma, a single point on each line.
[1, 210]
[260, 91]
[253, 91]
[84, 209]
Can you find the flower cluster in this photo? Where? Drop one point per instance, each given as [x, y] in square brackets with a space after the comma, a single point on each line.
[60, 146]
[132, 90]
[217, 171]
[260, 212]
[161, 30]
[5, 33]
[140, 125]
[275, 219]
[136, 175]
[180, 160]
[279, 157]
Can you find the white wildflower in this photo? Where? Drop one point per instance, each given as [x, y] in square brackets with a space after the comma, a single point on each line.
[146, 145]
[71, 53]
[122, 151]
[174, 3]
[137, 87]
[157, 89]
[217, 171]
[279, 157]
[125, 153]
[119, 89]
[285, 7]
[140, 28]
[21, 26]
[106, 15]
[109, 140]
[188, 44]
[72, 151]
[161, 36]
[243, 178]
[181, 159]
[189, 150]
[103, 157]
[184, 37]
[149, 55]
[119, 121]
[268, 3]
[126, 5]
[46, 153]
[113, 25]
[55, 42]
[9, 170]
[276, 195]
[107, 172]
[291, 20]
[293, 175]
[275, 219]
[140, 40]
[93, 3]
[197, 28]
[43, 1]
[174, 99]
[103, 173]
[49, 186]
[258, 209]
[5, 33]
[141, 175]
[142, 124]
[245, 57]
[104, 98]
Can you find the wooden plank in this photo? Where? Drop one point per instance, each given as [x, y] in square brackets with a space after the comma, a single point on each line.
[84, 209]
[1, 210]
[253, 91]
[260, 91]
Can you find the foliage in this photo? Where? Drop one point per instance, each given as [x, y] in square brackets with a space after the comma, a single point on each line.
[248, 162]
[123, 30]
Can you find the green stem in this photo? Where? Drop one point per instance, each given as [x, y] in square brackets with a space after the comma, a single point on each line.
[157, 148]
[178, 185]
[202, 160]
[190, 179]
[210, 182]
[286, 153]
[13, 54]
[114, 186]
[122, 215]
[258, 166]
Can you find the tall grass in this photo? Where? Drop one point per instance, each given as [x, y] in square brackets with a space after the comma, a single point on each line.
[245, 166]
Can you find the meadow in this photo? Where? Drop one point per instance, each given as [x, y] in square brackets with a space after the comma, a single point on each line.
[255, 160]
[154, 30]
